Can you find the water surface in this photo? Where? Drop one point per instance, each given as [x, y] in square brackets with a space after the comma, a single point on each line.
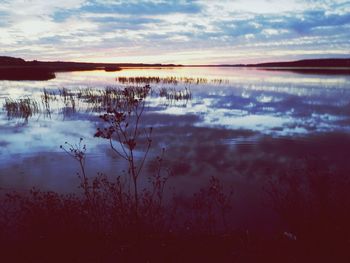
[243, 125]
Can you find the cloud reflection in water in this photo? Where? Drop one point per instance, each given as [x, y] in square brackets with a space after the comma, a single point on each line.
[212, 133]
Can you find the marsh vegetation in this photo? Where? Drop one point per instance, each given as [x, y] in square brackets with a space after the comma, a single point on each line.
[21, 108]
[66, 101]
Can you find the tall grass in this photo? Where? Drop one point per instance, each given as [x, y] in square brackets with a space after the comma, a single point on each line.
[21, 108]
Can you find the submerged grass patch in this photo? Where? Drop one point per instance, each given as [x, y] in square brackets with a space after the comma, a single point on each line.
[169, 80]
[174, 94]
[21, 108]
[69, 101]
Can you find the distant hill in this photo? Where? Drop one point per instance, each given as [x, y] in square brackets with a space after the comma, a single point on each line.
[309, 63]
[305, 63]
[11, 61]
[334, 66]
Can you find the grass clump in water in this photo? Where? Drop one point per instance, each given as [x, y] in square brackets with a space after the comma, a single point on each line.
[21, 108]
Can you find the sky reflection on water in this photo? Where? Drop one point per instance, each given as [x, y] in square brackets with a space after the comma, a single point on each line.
[203, 135]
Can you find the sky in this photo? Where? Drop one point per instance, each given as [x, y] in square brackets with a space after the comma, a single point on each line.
[174, 31]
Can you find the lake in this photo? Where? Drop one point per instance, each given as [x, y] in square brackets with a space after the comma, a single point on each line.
[246, 126]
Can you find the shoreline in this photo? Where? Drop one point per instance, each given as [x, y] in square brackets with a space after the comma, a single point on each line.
[19, 69]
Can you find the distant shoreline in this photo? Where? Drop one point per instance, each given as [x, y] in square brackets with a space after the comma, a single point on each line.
[18, 69]
[305, 63]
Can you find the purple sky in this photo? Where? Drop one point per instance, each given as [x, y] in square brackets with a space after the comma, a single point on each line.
[187, 32]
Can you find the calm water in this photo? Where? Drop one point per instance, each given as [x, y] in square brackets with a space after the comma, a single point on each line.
[243, 125]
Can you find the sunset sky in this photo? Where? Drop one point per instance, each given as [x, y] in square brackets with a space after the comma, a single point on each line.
[186, 32]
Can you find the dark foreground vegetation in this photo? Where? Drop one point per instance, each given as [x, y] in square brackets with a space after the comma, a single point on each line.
[114, 219]
[106, 224]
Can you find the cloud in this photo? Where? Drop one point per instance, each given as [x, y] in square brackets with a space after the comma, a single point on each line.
[174, 31]
[142, 7]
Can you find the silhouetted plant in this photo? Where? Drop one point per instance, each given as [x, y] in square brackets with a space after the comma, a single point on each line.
[123, 127]
[77, 152]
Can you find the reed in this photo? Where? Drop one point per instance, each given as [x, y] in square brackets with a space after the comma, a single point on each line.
[21, 108]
